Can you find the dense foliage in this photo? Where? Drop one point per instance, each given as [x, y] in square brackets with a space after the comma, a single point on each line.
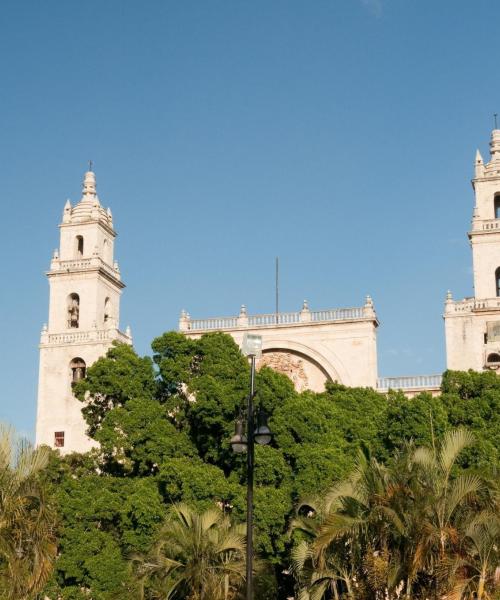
[164, 424]
[27, 519]
[410, 529]
[196, 556]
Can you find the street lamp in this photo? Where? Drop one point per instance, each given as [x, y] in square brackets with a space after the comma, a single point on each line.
[256, 432]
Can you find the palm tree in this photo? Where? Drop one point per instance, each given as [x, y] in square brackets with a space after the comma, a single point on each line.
[197, 557]
[474, 571]
[27, 522]
[414, 528]
[444, 503]
[354, 537]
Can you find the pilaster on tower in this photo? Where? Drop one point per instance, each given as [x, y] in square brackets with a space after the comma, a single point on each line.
[84, 312]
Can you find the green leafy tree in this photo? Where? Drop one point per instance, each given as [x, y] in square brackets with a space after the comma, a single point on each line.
[421, 419]
[103, 520]
[139, 436]
[472, 400]
[113, 380]
[164, 425]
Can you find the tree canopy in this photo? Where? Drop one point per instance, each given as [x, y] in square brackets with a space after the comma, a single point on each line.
[164, 423]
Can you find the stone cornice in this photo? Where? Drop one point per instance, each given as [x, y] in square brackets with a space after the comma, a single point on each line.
[106, 227]
[89, 265]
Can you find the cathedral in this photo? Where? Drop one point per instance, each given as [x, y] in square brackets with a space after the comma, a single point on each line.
[310, 346]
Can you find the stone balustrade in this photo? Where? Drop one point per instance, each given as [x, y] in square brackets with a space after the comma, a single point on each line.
[472, 304]
[338, 314]
[81, 264]
[81, 337]
[487, 303]
[186, 323]
[413, 382]
[215, 323]
[273, 319]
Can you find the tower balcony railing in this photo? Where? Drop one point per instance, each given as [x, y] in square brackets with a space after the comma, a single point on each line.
[412, 382]
[82, 337]
[186, 323]
[472, 304]
[82, 264]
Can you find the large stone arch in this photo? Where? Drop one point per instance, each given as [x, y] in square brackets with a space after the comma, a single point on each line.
[307, 367]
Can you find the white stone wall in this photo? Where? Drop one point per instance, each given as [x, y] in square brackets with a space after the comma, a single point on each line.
[58, 409]
[97, 240]
[465, 339]
[485, 234]
[486, 260]
[344, 351]
[92, 288]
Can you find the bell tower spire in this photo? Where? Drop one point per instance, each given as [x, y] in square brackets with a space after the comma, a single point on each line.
[84, 311]
[495, 145]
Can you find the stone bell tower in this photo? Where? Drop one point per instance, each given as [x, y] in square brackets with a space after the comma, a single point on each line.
[85, 287]
[473, 325]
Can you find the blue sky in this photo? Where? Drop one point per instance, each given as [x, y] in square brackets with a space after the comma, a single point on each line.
[337, 134]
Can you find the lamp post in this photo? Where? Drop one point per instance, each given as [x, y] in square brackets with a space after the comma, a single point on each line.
[260, 433]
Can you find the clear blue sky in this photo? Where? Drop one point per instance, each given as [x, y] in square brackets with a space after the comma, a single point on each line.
[337, 134]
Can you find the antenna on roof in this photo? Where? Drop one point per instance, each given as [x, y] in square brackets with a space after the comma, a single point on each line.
[277, 289]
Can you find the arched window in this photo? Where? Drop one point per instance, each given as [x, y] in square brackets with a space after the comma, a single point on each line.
[78, 369]
[496, 204]
[79, 246]
[107, 310]
[497, 281]
[73, 311]
[493, 358]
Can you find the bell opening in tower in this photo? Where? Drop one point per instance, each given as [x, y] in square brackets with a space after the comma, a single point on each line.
[79, 246]
[73, 311]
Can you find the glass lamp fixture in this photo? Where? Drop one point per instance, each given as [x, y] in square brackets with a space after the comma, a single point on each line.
[238, 441]
[262, 435]
[252, 345]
